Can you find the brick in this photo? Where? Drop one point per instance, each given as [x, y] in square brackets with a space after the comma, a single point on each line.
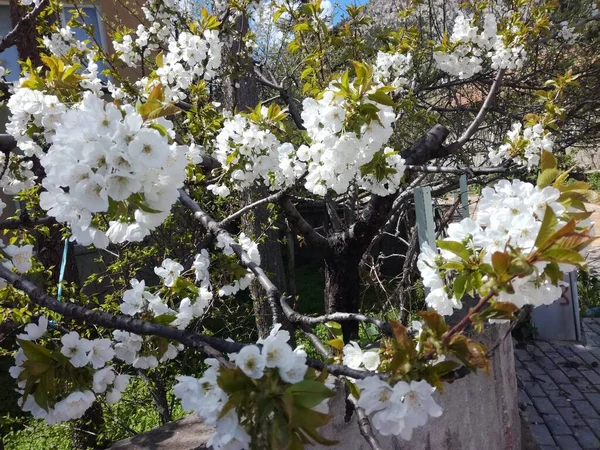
[523, 398]
[556, 357]
[570, 416]
[594, 425]
[544, 406]
[558, 376]
[586, 387]
[545, 382]
[534, 368]
[544, 346]
[567, 443]
[524, 375]
[545, 362]
[523, 355]
[542, 434]
[586, 438]
[531, 415]
[589, 359]
[594, 399]
[556, 424]
[559, 400]
[585, 409]
[578, 348]
[548, 447]
[533, 389]
[564, 351]
[571, 391]
[591, 376]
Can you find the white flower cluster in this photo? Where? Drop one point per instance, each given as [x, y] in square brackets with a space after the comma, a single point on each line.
[523, 145]
[81, 353]
[508, 213]
[471, 45]
[139, 351]
[189, 57]
[253, 154]
[354, 357]
[437, 297]
[138, 300]
[391, 69]
[103, 155]
[400, 409]
[332, 161]
[29, 108]
[568, 33]
[61, 42]
[207, 399]
[250, 247]
[337, 154]
[161, 18]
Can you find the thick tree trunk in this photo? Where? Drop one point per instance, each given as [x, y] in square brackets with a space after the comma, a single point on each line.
[342, 282]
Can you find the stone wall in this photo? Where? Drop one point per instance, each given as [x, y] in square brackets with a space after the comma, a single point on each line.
[480, 413]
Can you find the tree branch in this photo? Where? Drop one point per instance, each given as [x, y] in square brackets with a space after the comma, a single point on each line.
[472, 129]
[296, 317]
[364, 425]
[25, 222]
[26, 22]
[303, 227]
[285, 96]
[457, 170]
[271, 198]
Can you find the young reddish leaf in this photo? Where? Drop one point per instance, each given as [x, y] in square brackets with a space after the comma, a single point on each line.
[435, 322]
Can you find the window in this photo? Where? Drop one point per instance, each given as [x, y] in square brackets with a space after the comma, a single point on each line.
[93, 18]
[9, 57]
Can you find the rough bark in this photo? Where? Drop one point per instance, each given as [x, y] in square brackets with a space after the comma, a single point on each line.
[26, 37]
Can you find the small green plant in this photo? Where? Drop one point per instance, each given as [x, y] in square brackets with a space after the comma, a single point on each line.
[594, 180]
[588, 287]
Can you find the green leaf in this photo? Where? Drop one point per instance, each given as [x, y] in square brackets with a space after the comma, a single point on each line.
[452, 265]
[337, 343]
[547, 177]
[561, 255]
[382, 98]
[460, 286]
[309, 393]
[547, 228]
[446, 366]
[35, 352]
[159, 59]
[548, 161]
[165, 319]
[454, 247]
[353, 388]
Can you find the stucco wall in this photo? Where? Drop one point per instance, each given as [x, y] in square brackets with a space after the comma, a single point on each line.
[480, 413]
